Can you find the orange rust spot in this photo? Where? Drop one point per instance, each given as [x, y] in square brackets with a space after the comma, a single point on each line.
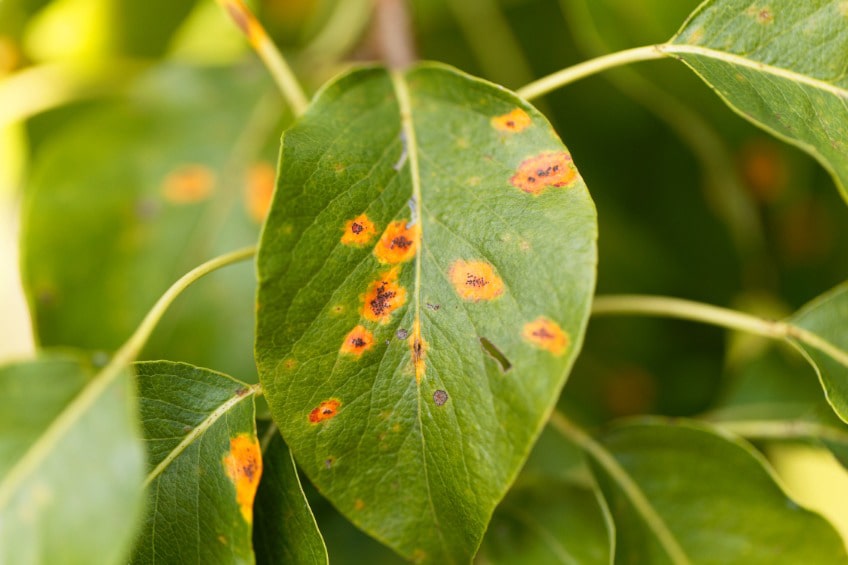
[475, 280]
[514, 121]
[418, 348]
[188, 184]
[552, 168]
[359, 504]
[259, 190]
[243, 465]
[357, 341]
[325, 411]
[358, 231]
[290, 363]
[398, 243]
[383, 297]
[546, 334]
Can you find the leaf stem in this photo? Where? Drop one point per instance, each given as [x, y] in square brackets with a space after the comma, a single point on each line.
[782, 429]
[568, 75]
[627, 485]
[133, 345]
[274, 61]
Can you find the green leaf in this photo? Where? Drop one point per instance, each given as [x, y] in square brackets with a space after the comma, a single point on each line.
[825, 343]
[285, 530]
[139, 191]
[780, 64]
[686, 493]
[71, 463]
[204, 465]
[423, 293]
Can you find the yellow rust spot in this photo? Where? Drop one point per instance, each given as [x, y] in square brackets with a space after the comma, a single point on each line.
[188, 184]
[383, 297]
[359, 504]
[259, 190]
[243, 465]
[325, 411]
[418, 349]
[514, 121]
[357, 341]
[473, 181]
[358, 231]
[546, 334]
[290, 363]
[475, 280]
[398, 243]
[552, 168]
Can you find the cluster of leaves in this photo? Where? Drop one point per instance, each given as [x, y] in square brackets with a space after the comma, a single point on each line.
[426, 271]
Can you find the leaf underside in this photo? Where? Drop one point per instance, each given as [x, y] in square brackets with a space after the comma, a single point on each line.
[425, 276]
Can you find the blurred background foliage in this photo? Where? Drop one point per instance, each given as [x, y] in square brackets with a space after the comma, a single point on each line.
[693, 201]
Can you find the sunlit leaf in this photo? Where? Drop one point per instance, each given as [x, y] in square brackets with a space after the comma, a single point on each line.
[137, 192]
[686, 494]
[204, 465]
[285, 530]
[425, 275]
[71, 463]
[781, 64]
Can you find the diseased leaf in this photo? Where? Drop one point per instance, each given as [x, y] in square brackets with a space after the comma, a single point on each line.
[285, 530]
[826, 344]
[139, 191]
[780, 64]
[704, 497]
[425, 276]
[204, 465]
[71, 463]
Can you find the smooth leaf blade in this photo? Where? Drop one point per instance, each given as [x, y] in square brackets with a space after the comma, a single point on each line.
[780, 64]
[72, 463]
[204, 465]
[417, 215]
[712, 494]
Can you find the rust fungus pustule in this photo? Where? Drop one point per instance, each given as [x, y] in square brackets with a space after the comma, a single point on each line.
[383, 297]
[325, 411]
[513, 122]
[188, 184]
[552, 168]
[359, 231]
[243, 465]
[418, 351]
[475, 280]
[398, 243]
[546, 334]
[357, 341]
[259, 190]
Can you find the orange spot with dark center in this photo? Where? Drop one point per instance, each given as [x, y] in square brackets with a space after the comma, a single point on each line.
[188, 184]
[552, 168]
[475, 280]
[358, 231]
[259, 190]
[357, 341]
[546, 334]
[383, 297]
[418, 349]
[514, 121]
[243, 465]
[398, 243]
[325, 411]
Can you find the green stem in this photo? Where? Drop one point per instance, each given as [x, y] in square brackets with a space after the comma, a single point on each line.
[627, 485]
[782, 429]
[130, 350]
[593, 66]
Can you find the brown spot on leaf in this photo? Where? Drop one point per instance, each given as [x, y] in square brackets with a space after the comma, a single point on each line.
[383, 297]
[398, 243]
[440, 397]
[290, 363]
[357, 341]
[243, 465]
[514, 121]
[418, 350]
[325, 411]
[762, 14]
[475, 280]
[552, 168]
[358, 231]
[188, 184]
[259, 190]
[546, 334]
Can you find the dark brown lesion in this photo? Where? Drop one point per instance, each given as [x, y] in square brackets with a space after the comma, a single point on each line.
[440, 397]
[543, 333]
[401, 242]
[381, 303]
[358, 342]
[356, 228]
[475, 281]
